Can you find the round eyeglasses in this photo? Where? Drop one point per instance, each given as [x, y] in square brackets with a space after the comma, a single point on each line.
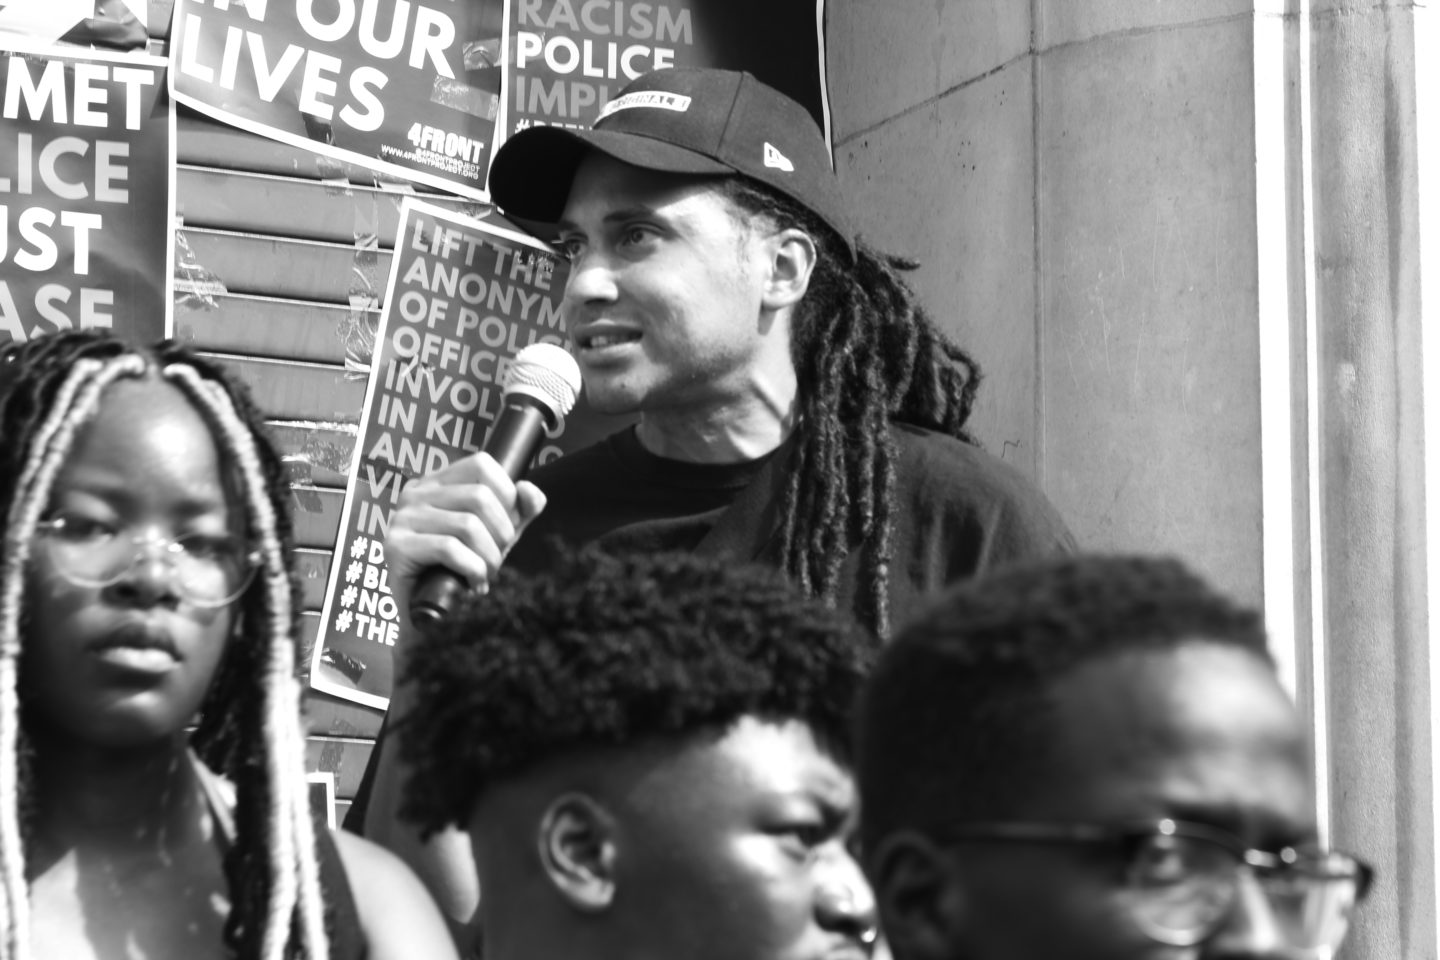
[1182, 880]
[210, 570]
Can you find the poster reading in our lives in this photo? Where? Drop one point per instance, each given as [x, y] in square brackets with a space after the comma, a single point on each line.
[573, 56]
[410, 88]
[462, 299]
[87, 193]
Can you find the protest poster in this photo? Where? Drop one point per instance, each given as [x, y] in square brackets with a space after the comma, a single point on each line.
[572, 56]
[407, 88]
[87, 192]
[116, 24]
[463, 298]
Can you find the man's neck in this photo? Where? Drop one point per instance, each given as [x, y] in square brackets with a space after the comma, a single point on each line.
[731, 432]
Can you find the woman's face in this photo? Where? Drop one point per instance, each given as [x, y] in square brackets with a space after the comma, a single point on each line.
[129, 663]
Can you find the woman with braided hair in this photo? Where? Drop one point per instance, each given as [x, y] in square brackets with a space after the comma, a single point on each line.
[145, 581]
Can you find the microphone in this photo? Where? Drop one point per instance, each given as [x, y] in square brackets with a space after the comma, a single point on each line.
[539, 389]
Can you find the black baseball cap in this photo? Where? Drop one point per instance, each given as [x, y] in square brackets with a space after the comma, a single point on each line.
[679, 120]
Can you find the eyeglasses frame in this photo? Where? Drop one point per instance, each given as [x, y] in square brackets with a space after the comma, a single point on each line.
[252, 559]
[1261, 861]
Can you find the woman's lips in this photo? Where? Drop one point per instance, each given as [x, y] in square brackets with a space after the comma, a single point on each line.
[146, 660]
[138, 648]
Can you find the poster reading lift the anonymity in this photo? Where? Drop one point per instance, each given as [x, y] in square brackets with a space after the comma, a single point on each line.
[407, 87]
[463, 298]
[86, 192]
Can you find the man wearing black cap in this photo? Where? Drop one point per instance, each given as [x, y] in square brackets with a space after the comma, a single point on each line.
[796, 405]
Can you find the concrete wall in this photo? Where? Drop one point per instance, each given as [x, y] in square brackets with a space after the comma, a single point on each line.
[1077, 177]
[1080, 177]
[1378, 673]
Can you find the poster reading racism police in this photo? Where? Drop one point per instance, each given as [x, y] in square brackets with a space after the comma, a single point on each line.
[407, 87]
[86, 193]
[572, 56]
[463, 298]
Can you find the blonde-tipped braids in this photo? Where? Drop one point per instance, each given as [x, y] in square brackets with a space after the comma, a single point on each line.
[250, 727]
[81, 391]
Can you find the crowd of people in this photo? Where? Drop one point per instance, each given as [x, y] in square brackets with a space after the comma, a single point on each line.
[791, 669]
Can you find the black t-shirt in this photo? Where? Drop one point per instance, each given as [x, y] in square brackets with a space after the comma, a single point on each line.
[626, 497]
[957, 511]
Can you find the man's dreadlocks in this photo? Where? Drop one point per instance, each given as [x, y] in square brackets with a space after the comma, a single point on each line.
[865, 353]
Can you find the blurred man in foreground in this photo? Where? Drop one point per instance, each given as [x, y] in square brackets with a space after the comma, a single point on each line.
[1092, 759]
[648, 753]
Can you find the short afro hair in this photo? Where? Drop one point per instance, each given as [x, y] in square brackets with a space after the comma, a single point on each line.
[953, 723]
[608, 649]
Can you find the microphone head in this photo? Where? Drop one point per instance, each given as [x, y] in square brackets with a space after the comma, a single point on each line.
[548, 373]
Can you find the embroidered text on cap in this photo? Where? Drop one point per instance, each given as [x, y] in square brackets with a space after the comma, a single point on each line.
[774, 158]
[657, 99]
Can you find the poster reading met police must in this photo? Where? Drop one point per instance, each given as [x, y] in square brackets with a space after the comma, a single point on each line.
[407, 87]
[463, 298]
[86, 193]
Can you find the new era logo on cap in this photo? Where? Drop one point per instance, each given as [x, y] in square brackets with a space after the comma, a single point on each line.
[774, 158]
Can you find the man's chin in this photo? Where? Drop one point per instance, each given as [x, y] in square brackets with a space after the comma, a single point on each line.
[613, 400]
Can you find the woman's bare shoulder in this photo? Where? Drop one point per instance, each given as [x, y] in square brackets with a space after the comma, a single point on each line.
[399, 917]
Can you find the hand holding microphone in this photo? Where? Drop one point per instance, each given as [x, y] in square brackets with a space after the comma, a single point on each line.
[438, 514]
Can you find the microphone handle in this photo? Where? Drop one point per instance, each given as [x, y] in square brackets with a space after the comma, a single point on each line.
[516, 436]
[514, 440]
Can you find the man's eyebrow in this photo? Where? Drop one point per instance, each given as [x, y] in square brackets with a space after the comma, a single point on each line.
[1243, 821]
[614, 216]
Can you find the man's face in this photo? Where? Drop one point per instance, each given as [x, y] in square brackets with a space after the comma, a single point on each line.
[664, 300]
[1201, 734]
[736, 848]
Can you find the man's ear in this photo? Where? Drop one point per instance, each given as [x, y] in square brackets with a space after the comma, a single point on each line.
[577, 851]
[923, 906]
[792, 258]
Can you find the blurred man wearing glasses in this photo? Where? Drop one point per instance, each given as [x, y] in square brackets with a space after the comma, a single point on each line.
[1093, 758]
